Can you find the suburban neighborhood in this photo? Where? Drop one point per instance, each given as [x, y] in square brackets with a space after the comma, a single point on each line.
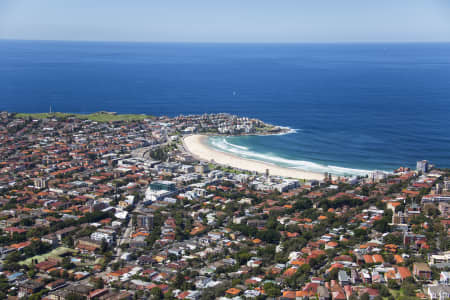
[118, 209]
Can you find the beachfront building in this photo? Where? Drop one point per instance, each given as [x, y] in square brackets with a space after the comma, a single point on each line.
[280, 185]
[377, 176]
[422, 166]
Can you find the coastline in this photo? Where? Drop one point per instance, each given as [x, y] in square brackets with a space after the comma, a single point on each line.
[196, 145]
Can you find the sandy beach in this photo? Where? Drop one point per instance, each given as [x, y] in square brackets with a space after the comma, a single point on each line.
[197, 146]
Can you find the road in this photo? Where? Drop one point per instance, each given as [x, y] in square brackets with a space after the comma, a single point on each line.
[125, 238]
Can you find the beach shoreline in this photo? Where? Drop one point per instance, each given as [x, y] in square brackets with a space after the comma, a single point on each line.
[197, 146]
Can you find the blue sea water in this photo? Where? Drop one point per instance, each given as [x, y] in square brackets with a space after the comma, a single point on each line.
[354, 106]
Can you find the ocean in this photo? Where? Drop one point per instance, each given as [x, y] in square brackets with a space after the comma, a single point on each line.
[352, 107]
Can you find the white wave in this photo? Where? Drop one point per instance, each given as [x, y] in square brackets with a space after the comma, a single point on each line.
[289, 131]
[222, 145]
[233, 145]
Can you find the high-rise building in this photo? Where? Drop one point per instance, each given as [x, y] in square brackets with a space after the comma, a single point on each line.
[447, 186]
[144, 221]
[422, 166]
[40, 183]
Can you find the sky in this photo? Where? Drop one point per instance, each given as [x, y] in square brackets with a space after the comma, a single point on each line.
[274, 21]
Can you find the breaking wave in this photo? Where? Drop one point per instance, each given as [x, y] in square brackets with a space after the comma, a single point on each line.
[234, 146]
[221, 144]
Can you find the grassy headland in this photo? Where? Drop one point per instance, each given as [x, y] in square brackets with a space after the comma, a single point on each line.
[97, 117]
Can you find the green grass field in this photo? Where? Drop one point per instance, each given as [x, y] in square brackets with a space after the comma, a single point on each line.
[55, 253]
[97, 117]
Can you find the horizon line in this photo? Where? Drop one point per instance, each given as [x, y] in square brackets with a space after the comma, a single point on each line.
[228, 42]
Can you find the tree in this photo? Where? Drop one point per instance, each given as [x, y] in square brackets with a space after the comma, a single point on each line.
[179, 280]
[409, 289]
[36, 248]
[393, 239]
[384, 291]
[267, 252]
[242, 257]
[303, 204]
[67, 263]
[272, 290]
[32, 272]
[382, 225]
[334, 274]
[361, 233]
[26, 222]
[269, 236]
[13, 257]
[4, 286]
[305, 269]
[98, 283]
[392, 284]
[159, 154]
[68, 240]
[156, 293]
[73, 296]
[431, 210]
[364, 296]
[104, 246]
